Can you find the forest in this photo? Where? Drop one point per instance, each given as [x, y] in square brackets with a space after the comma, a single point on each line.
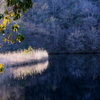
[49, 50]
[67, 26]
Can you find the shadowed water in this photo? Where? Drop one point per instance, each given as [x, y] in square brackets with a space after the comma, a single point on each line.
[64, 77]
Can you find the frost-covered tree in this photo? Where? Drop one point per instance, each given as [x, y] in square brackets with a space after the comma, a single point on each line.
[73, 24]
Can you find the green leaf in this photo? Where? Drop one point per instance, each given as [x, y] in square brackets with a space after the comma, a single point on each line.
[1, 16]
[6, 12]
[20, 38]
[12, 41]
[2, 31]
[15, 27]
[16, 16]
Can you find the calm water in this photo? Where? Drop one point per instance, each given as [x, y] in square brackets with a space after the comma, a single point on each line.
[63, 77]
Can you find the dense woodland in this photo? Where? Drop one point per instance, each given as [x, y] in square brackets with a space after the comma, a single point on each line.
[34, 68]
[60, 26]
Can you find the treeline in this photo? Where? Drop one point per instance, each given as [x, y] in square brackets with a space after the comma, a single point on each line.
[70, 26]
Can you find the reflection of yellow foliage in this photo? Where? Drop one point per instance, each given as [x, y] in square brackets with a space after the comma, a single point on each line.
[1, 67]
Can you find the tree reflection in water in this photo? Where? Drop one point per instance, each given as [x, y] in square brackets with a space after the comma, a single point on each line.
[68, 77]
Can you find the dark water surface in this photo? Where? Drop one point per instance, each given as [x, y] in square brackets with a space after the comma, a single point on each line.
[63, 77]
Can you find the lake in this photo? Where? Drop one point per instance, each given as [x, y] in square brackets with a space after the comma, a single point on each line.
[62, 77]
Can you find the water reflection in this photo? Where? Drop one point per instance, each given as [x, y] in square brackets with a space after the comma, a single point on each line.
[68, 77]
[11, 81]
[23, 71]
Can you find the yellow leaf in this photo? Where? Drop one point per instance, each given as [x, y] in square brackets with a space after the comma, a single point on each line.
[7, 17]
[2, 27]
[1, 67]
[4, 39]
[12, 41]
[8, 20]
[11, 14]
[5, 22]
